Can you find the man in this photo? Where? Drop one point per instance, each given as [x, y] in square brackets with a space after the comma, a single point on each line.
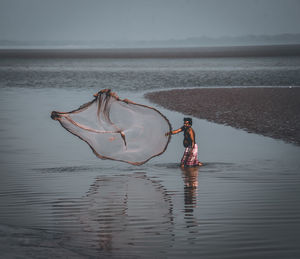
[190, 156]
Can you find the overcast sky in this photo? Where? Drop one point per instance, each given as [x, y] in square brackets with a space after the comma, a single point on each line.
[111, 20]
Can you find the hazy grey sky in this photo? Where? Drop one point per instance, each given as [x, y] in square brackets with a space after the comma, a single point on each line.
[144, 19]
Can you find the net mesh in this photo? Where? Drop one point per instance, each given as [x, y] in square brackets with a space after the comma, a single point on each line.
[118, 129]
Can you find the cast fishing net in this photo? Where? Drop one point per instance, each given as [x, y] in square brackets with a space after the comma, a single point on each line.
[118, 129]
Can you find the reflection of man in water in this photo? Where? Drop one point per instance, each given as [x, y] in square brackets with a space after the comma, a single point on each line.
[190, 156]
[190, 178]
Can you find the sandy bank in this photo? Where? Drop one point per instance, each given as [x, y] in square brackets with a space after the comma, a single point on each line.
[187, 52]
[273, 112]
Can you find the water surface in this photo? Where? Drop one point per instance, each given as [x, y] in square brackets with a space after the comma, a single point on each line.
[58, 200]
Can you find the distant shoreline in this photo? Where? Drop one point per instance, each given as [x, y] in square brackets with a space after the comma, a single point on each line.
[272, 112]
[189, 52]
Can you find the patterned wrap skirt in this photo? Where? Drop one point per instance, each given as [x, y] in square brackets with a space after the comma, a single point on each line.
[190, 157]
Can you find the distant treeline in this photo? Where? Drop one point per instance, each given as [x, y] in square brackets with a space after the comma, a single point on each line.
[203, 41]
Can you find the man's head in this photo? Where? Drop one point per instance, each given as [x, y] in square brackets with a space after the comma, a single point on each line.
[187, 121]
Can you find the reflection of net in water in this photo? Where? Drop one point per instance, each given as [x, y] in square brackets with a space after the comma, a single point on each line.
[118, 129]
[121, 216]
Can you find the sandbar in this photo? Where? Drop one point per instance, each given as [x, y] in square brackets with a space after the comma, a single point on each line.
[272, 112]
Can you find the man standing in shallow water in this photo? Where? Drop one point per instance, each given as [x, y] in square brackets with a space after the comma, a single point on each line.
[190, 156]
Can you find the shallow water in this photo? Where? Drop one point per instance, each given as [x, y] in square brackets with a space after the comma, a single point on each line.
[149, 74]
[58, 200]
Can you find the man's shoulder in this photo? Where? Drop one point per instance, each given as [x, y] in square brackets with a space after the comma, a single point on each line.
[191, 130]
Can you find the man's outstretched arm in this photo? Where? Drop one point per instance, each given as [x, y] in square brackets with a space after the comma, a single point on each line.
[173, 132]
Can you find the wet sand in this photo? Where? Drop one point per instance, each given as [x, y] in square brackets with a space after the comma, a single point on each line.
[272, 112]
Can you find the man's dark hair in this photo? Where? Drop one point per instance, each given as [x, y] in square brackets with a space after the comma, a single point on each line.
[189, 120]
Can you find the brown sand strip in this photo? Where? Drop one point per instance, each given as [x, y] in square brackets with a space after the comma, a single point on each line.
[192, 52]
[273, 112]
